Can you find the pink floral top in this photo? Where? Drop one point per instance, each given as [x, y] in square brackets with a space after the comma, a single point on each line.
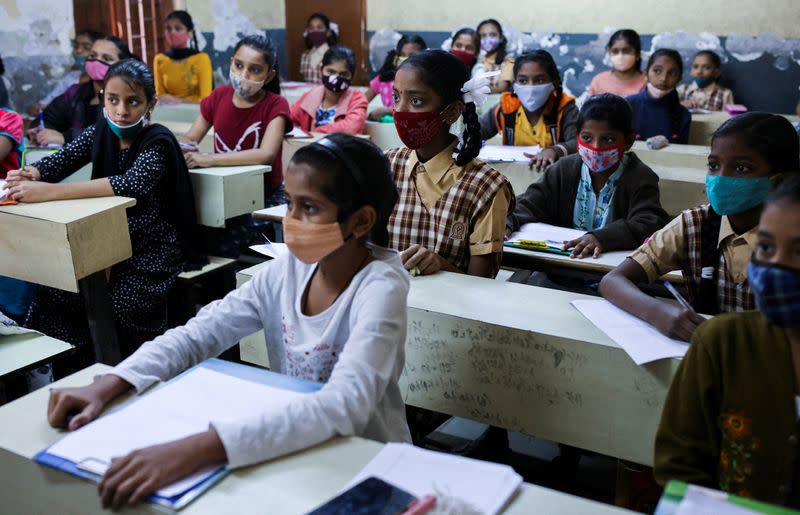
[384, 89]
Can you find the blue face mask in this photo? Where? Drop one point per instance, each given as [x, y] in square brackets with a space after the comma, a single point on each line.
[702, 83]
[80, 62]
[731, 195]
[776, 290]
[126, 131]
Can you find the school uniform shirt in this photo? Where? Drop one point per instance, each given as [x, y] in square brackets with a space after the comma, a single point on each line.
[713, 97]
[607, 82]
[652, 117]
[385, 89]
[189, 79]
[635, 210]
[11, 127]
[73, 111]
[524, 134]
[487, 64]
[350, 117]
[237, 129]
[455, 211]
[356, 347]
[730, 418]
[678, 247]
[310, 62]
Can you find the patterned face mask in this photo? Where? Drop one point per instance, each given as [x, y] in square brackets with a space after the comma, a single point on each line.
[600, 159]
[335, 83]
[776, 290]
[417, 129]
[245, 88]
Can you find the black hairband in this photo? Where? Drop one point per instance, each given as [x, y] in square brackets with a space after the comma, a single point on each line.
[337, 151]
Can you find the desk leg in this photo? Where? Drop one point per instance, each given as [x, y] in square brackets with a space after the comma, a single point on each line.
[101, 318]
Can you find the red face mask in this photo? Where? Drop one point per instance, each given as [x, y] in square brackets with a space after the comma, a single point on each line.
[176, 39]
[318, 37]
[417, 129]
[465, 57]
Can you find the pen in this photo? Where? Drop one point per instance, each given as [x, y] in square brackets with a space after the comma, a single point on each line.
[421, 506]
[532, 243]
[41, 120]
[683, 302]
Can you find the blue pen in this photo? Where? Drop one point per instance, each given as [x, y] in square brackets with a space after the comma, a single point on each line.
[41, 120]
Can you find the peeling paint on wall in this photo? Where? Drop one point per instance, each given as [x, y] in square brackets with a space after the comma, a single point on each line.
[750, 48]
[230, 24]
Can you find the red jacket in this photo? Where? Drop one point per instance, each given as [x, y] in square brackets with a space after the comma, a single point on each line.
[351, 112]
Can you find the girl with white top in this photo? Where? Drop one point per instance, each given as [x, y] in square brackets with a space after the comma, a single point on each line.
[333, 310]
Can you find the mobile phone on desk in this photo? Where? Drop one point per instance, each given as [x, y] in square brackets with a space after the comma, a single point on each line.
[372, 496]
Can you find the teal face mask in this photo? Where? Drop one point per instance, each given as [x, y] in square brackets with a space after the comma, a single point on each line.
[702, 83]
[80, 62]
[731, 195]
[126, 131]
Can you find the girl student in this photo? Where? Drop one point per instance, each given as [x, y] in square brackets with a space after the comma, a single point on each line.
[134, 158]
[604, 190]
[704, 92]
[465, 44]
[79, 107]
[494, 55]
[333, 310]
[730, 418]
[249, 117]
[183, 73]
[657, 110]
[625, 78]
[319, 36]
[711, 244]
[382, 83]
[452, 210]
[333, 106]
[536, 111]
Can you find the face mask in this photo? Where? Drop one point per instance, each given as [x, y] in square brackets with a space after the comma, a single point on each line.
[310, 243]
[245, 88]
[731, 195]
[176, 39]
[335, 83]
[489, 44]
[465, 57]
[96, 69]
[400, 59]
[776, 290]
[126, 131]
[533, 96]
[622, 62]
[702, 83]
[657, 93]
[600, 159]
[80, 61]
[318, 37]
[417, 129]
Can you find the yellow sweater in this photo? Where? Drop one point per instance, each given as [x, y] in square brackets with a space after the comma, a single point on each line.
[189, 79]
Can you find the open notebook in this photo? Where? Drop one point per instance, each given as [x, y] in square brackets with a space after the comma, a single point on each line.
[182, 407]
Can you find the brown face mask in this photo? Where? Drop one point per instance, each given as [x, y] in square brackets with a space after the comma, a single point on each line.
[309, 242]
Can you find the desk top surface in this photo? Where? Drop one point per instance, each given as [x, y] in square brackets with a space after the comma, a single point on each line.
[19, 351]
[230, 171]
[67, 211]
[293, 484]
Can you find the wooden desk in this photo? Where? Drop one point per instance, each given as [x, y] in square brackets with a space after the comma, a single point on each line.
[522, 358]
[293, 484]
[176, 113]
[68, 244]
[292, 145]
[681, 188]
[704, 125]
[221, 193]
[24, 351]
[679, 156]
[384, 135]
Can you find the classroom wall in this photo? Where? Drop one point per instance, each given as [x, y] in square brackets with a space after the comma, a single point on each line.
[35, 46]
[755, 39]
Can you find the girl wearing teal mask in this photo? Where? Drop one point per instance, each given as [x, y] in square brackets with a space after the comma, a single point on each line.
[704, 92]
[134, 158]
[730, 418]
[712, 244]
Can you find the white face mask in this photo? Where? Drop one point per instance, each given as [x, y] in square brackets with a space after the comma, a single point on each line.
[622, 62]
[533, 96]
[657, 93]
[245, 88]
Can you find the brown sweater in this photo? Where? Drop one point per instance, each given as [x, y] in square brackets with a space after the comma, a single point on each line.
[636, 211]
[730, 420]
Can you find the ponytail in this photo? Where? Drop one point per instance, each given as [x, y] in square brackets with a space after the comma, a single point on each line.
[386, 73]
[471, 138]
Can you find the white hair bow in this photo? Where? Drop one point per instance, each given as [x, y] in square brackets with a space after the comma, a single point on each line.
[477, 88]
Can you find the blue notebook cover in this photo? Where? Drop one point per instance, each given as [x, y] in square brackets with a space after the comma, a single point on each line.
[257, 375]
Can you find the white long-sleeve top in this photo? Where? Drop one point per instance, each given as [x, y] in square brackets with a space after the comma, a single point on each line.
[356, 348]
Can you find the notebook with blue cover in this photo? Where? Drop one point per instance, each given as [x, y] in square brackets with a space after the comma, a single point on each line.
[187, 495]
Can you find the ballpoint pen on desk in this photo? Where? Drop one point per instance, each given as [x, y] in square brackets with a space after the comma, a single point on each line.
[41, 120]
